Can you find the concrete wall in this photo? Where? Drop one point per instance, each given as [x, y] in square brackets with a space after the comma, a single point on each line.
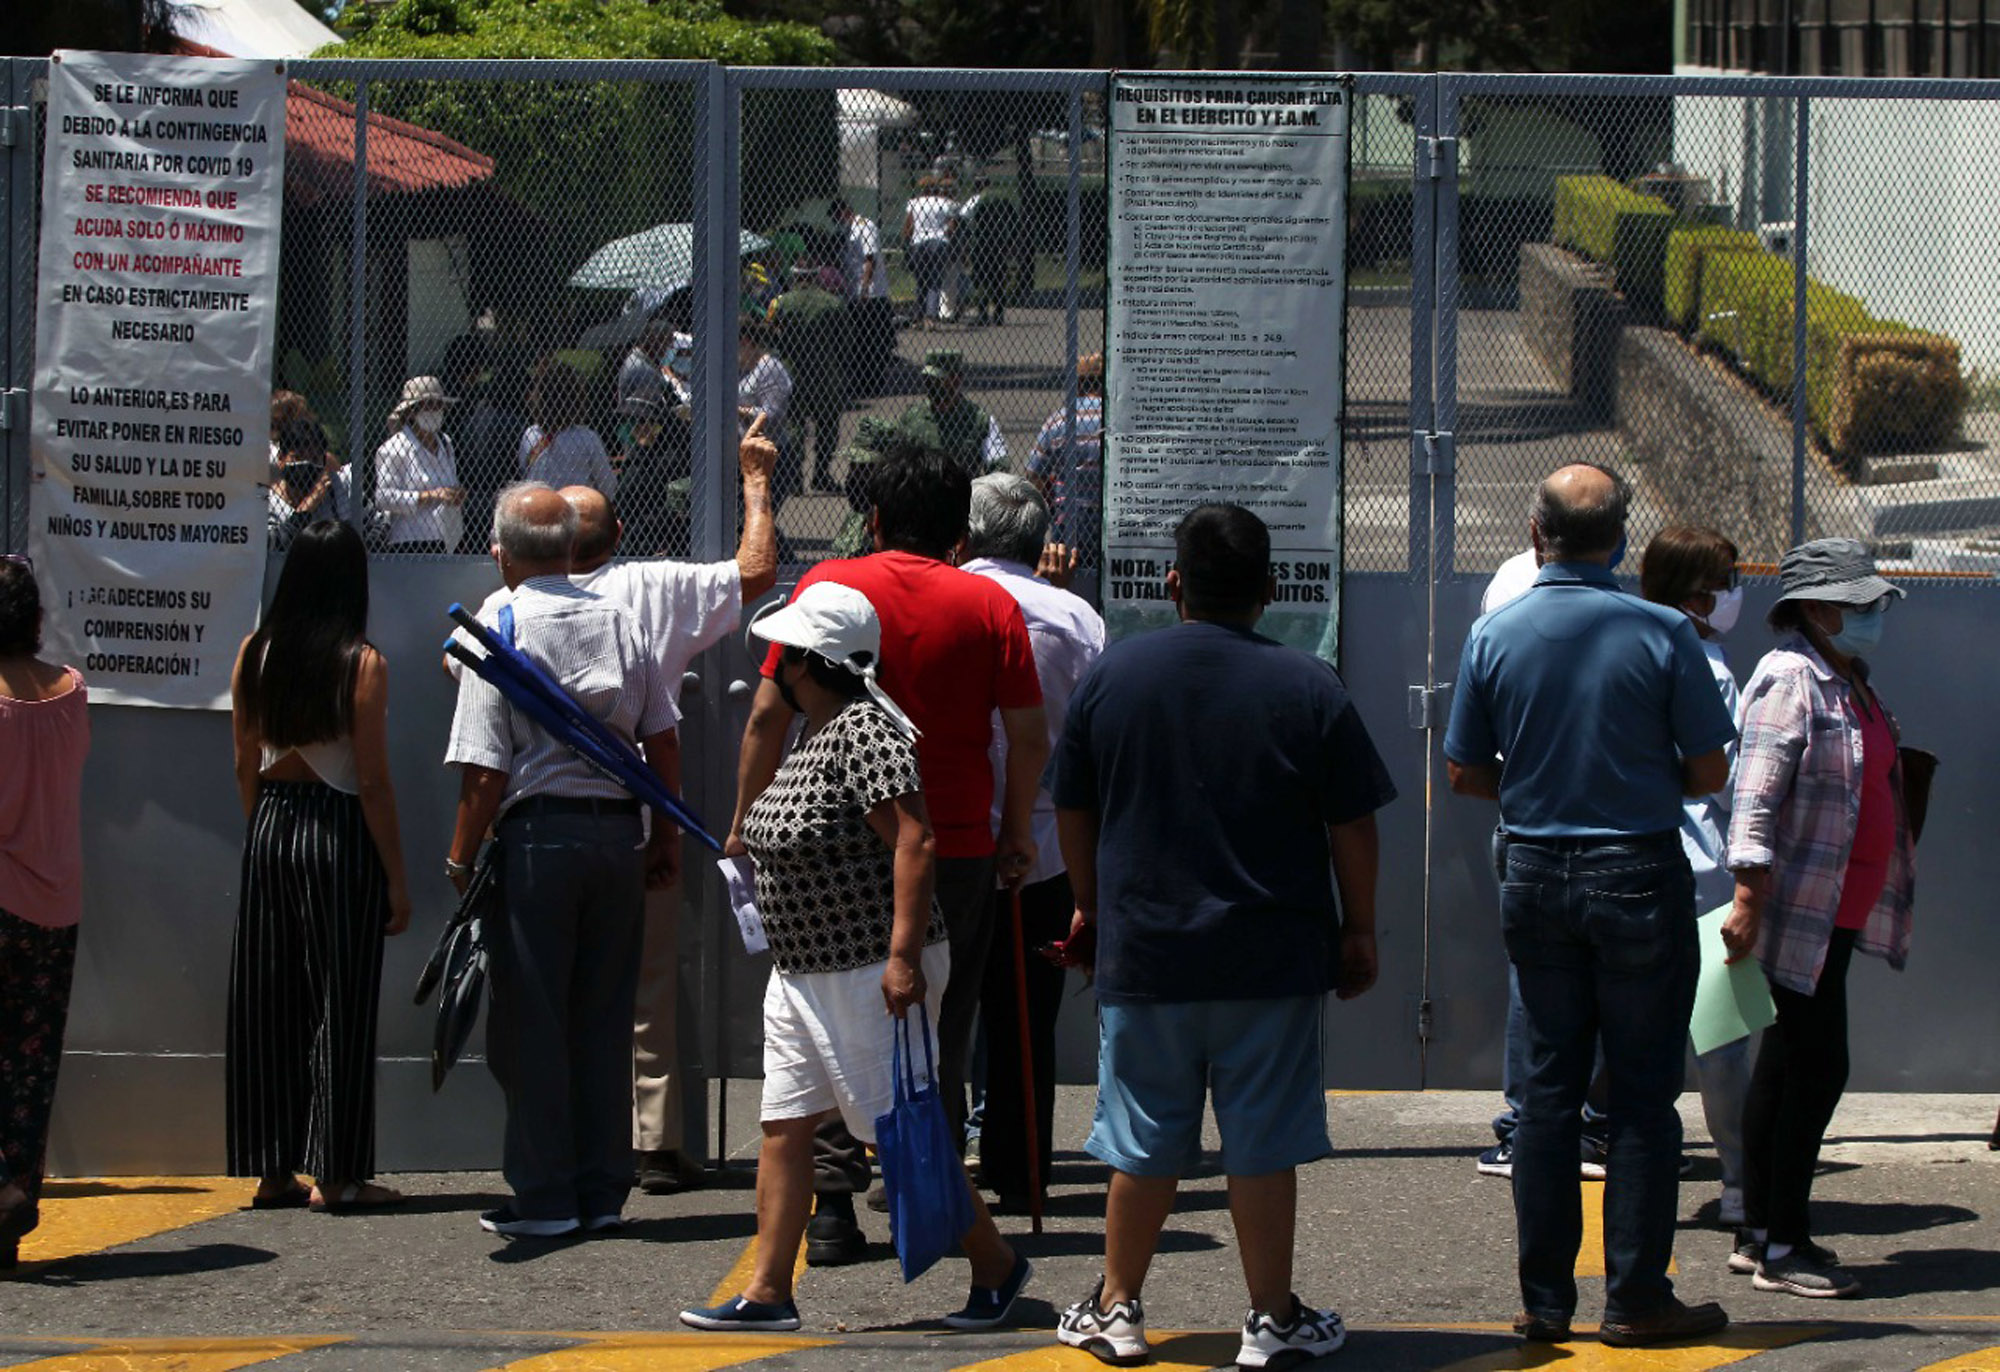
[142, 1086]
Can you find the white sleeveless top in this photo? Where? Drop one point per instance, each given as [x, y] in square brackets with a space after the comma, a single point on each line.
[332, 763]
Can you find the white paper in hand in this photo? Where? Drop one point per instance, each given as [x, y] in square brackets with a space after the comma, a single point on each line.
[740, 875]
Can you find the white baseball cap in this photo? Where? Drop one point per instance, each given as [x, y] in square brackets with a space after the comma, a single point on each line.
[840, 624]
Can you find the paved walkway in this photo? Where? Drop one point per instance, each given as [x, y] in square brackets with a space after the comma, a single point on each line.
[1398, 1232]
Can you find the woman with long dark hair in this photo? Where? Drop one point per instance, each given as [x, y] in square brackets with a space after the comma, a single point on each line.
[44, 734]
[322, 884]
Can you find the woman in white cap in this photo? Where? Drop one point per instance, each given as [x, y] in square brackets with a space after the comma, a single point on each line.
[843, 849]
[416, 473]
[1822, 853]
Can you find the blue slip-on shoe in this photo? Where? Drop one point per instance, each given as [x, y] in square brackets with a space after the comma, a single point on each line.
[986, 1307]
[737, 1313]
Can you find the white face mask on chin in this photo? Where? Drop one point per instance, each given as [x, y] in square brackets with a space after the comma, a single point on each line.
[1728, 605]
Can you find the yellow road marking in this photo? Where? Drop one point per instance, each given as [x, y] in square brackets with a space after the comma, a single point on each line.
[1172, 1352]
[1732, 1345]
[88, 1216]
[738, 1277]
[663, 1353]
[1590, 1256]
[176, 1355]
[1985, 1360]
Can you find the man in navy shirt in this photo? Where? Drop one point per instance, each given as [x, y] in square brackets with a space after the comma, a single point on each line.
[1212, 787]
[1588, 714]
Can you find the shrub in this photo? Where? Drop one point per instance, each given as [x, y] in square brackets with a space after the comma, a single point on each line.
[1687, 249]
[1872, 385]
[1608, 223]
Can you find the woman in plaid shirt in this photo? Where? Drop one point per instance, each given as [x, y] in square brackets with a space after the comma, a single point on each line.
[1822, 853]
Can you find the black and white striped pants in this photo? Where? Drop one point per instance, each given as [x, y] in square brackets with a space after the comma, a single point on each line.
[303, 986]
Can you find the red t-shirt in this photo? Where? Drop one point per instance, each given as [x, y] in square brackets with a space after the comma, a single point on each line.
[954, 650]
[1875, 827]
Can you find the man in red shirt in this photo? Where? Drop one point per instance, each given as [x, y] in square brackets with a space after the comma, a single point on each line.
[954, 650]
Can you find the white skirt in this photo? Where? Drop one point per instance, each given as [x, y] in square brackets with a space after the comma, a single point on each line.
[828, 1040]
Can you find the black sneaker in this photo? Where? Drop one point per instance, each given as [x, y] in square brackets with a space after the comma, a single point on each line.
[1498, 1161]
[510, 1225]
[1748, 1253]
[833, 1239]
[1796, 1274]
[1591, 1157]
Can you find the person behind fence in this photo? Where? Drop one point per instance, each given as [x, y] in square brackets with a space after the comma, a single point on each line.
[930, 219]
[1066, 464]
[286, 406]
[958, 649]
[323, 884]
[764, 386]
[844, 853]
[1590, 714]
[867, 278]
[488, 433]
[990, 223]
[1205, 862]
[44, 735]
[313, 486]
[416, 473]
[1694, 570]
[559, 448]
[1825, 866]
[564, 957]
[1008, 529]
[947, 421]
[812, 335]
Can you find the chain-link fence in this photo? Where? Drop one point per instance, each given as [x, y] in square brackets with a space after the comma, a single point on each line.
[1769, 303]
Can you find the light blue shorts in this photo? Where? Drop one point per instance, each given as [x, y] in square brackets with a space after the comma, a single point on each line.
[1158, 1063]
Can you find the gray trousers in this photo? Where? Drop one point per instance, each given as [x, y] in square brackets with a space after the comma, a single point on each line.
[965, 895]
[564, 969]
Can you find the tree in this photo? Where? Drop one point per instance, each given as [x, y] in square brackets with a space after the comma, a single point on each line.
[35, 30]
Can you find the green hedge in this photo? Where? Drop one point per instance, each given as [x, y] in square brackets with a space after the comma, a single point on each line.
[1872, 385]
[1686, 250]
[1604, 221]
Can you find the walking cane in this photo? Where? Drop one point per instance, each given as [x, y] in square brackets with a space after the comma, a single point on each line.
[1033, 1125]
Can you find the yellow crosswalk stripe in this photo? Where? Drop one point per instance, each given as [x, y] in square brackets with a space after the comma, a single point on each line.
[1172, 1352]
[1587, 1355]
[1590, 1256]
[737, 1277]
[1985, 1360]
[88, 1216]
[663, 1352]
[175, 1355]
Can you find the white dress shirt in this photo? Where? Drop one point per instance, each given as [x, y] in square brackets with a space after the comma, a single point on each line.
[404, 468]
[574, 457]
[864, 241]
[1067, 636]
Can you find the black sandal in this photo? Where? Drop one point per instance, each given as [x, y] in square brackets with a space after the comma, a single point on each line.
[294, 1197]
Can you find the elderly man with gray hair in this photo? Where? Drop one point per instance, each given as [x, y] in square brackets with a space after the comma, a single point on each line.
[1004, 541]
[564, 959]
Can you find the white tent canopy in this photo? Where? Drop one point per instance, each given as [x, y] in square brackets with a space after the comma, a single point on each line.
[252, 28]
[862, 115]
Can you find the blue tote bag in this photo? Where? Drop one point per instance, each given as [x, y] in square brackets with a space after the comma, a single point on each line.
[930, 1203]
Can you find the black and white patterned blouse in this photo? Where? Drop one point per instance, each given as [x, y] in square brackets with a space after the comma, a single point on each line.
[826, 883]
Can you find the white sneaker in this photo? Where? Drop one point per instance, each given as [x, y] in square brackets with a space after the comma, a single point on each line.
[1308, 1334]
[1116, 1336]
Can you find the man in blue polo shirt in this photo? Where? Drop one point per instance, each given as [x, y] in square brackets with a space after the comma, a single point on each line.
[1589, 714]
[1212, 789]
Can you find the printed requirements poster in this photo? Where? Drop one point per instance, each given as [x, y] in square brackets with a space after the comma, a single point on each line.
[1226, 333]
[158, 286]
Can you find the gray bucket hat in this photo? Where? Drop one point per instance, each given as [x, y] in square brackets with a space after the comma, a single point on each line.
[1837, 569]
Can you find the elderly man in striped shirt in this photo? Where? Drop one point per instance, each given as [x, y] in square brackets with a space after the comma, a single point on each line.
[564, 959]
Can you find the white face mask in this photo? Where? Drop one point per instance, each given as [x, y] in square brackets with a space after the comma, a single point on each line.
[428, 422]
[1728, 605]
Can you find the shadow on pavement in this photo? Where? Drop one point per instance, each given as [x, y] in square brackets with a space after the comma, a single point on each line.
[1930, 1271]
[86, 1190]
[1088, 1243]
[129, 1265]
[1832, 1217]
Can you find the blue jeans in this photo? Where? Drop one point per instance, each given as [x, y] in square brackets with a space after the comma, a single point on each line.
[1602, 938]
[1514, 1066]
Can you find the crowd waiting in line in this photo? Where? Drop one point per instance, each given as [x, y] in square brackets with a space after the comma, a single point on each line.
[812, 337]
[940, 728]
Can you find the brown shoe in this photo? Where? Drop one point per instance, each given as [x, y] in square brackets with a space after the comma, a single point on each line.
[1671, 1323]
[1541, 1328]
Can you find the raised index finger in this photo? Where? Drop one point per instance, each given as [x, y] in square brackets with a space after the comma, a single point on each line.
[756, 429]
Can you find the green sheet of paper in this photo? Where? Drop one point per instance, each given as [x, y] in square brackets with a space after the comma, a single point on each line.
[1731, 1001]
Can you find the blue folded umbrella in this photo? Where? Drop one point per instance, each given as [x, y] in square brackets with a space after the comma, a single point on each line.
[524, 683]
